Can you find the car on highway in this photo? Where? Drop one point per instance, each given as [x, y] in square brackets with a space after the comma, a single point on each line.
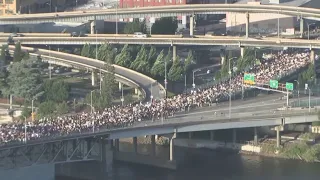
[10, 41]
[16, 35]
[76, 34]
[139, 35]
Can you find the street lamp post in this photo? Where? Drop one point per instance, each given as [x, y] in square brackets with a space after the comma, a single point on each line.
[309, 99]
[116, 17]
[100, 81]
[298, 91]
[230, 78]
[25, 129]
[309, 29]
[193, 83]
[185, 82]
[122, 99]
[91, 99]
[32, 111]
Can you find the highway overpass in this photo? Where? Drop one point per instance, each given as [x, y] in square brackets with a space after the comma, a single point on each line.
[171, 41]
[125, 75]
[163, 11]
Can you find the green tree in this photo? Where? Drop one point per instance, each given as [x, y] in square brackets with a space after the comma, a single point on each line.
[24, 79]
[106, 53]
[46, 108]
[124, 58]
[176, 71]
[135, 26]
[158, 66]
[141, 61]
[247, 60]
[85, 51]
[152, 57]
[188, 62]
[56, 90]
[165, 25]
[3, 55]
[18, 53]
[62, 108]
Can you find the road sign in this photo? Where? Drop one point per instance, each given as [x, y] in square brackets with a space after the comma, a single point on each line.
[289, 86]
[274, 84]
[306, 86]
[248, 79]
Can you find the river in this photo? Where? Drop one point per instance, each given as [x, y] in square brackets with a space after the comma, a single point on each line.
[206, 164]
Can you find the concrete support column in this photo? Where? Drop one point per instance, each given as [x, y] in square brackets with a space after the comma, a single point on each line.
[172, 146]
[153, 145]
[247, 24]
[234, 136]
[191, 25]
[120, 86]
[242, 51]
[190, 135]
[106, 155]
[174, 53]
[312, 56]
[278, 137]
[135, 144]
[223, 59]
[116, 145]
[93, 78]
[136, 91]
[255, 138]
[93, 27]
[301, 27]
[211, 135]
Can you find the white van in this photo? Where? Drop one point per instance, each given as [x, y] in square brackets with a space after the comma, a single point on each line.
[139, 35]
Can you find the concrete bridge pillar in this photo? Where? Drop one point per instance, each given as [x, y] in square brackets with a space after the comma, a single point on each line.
[135, 144]
[223, 60]
[136, 91]
[174, 53]
[190, 135]
[242, 51]
[247, 24]
[120, 86]
[116, 145]
[278, 129]
[93, 27]
[93, 78]
[106, 155]
[301, 27]
[234, 136]
[312, 56]
[212, 135]
[172, 146]
[191, 25]
[255, 138]
[153, 145]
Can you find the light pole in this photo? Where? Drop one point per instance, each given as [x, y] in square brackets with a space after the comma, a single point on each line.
[309, 29]
[151, 96]
[278, 24]
[298, 91]
[122, 99]
[193, 84]
[91, 99]
[25, 129]
[96, 44]
[185, 82]
[32, 111]
[100, 81]
[229, 60]
[117, 17]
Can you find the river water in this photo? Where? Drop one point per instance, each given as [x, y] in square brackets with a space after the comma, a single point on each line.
[203, 164]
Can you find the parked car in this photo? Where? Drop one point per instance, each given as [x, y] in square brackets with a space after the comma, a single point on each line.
[76, 34]
[10, 41]
[139, 35]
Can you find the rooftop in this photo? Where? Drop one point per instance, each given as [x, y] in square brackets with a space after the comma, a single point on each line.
[295, 3]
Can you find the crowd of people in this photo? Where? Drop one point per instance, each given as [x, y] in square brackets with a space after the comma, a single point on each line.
[270, 66]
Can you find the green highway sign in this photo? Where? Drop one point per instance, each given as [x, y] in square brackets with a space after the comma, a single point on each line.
[274, 84]
[289, 86]
[248, 79]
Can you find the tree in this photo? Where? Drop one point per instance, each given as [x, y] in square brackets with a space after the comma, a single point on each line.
[56, 91]
[141, 61]
[188, 62]
[46, 108]
[124, 58]
[18, 54]
[176, 71]
[135, 26]
[24, 80]
[158, 66]
[85, 51]
[152, 57]
[3, 55]
[62, 108]
[247, 60]
[106, 53]
[165, 25]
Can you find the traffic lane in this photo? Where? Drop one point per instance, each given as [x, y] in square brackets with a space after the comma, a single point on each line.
[142, 81]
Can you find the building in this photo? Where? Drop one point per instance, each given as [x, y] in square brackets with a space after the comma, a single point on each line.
[266, 23]
[12, 7]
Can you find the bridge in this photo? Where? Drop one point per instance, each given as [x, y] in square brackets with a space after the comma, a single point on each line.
[163, 11]
[140, 82]
[254, 113]
[200, 40]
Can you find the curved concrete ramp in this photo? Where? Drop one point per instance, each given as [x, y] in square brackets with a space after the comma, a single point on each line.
[149, 85]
